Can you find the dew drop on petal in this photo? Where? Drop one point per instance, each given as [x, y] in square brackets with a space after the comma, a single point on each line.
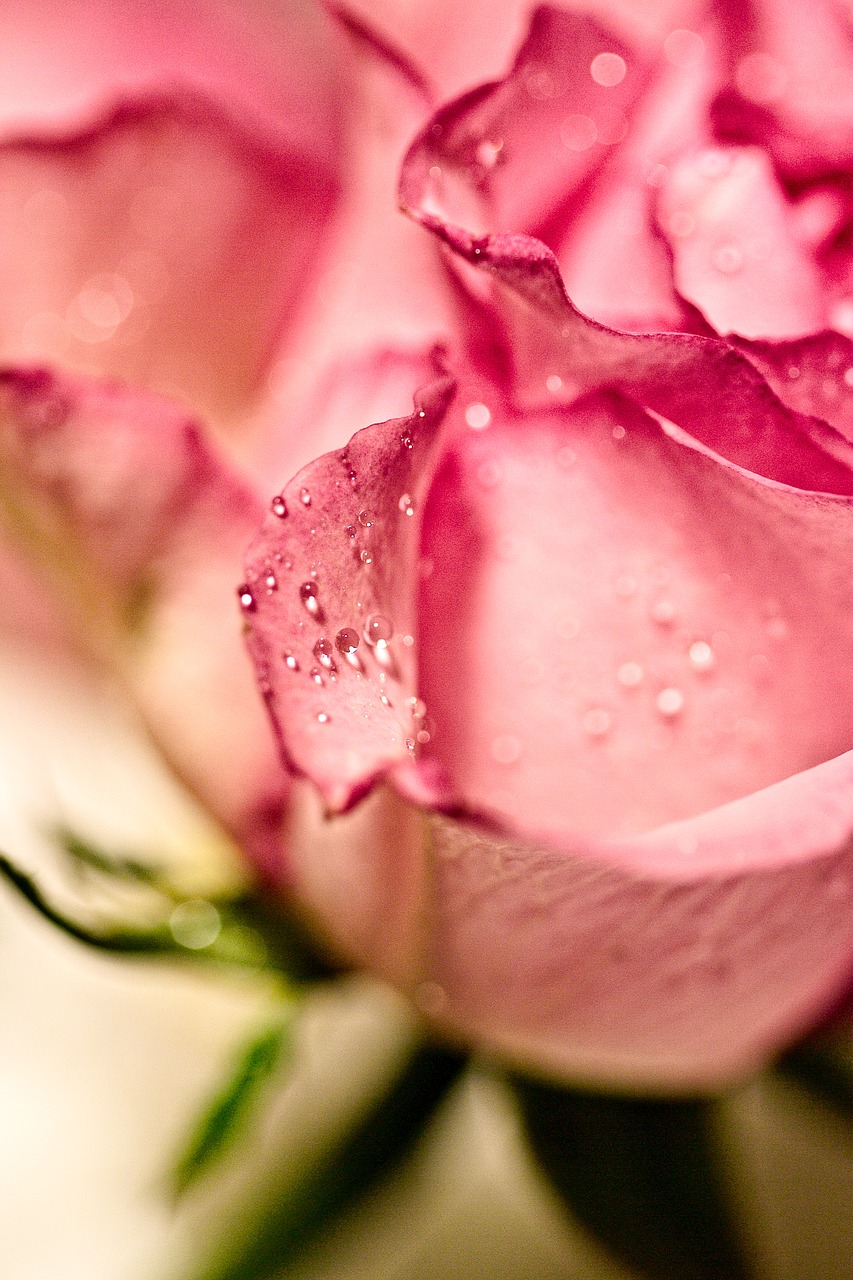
[618, 433]
[323, 653]
[323, 717]
[378, 629]
[405, 504]
[347, 640]
[350, 531]
[608, 69]
[247, 600]
[271, 583]
[597, 722]
[365, 519]
[629, 675]
[305, 497]
[278, 506]
[478, 416]
[554, 383]
[308, 596]
[365, 557]
[683, 48]
[702, 657]
[316, 675]
[670, 702]
[578, 132]
[290, 661]
[406, 441]
[663, 613]
[848, 376]
[727, 258]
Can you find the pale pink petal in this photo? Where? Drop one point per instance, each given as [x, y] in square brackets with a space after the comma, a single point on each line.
[736, 254]
[651, 976]
[592, 665]
[274, 64]
[379, 295]
[138, 529]
[330, 604]
[165, 242]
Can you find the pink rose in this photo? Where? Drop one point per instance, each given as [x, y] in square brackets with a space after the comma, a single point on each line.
[571, 641]
[191, 204]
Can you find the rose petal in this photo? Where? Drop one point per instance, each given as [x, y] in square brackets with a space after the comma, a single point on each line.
[330, 609]
[515, 156]
[813, 375]
[735, 252]
[149, 244]
[609, 671]
[138, 528]
[645, 977]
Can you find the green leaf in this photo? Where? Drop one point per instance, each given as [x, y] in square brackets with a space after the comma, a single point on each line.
[642, 1175]
[262, 1245]
[229, 1111]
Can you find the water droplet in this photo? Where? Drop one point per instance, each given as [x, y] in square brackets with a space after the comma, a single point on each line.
[278, 506]
[305, 497]
[663, 613]
[418, 708]
[629, 675]
[271, 583]
[308, 596]
[247, 601]
[406, 505]
[365, 519]
[554, 383]
[848, 376]
[290, 661]
[316, 675]
[365, 557]
[378, 629]
[618, 433]
[793, 372]
[323, 717]
[195, 924]
[423, 736]
[670, 702]
[608, 69]
[578, 132]
[506, 748]
[350, 531]
[597, 722]
[681, 224]
[727, 258]
[408, 641]
[347, 640]
[487, 152]
[323, 652]
[683, 48]
[702, 657]
[478, 416]
[406, 441]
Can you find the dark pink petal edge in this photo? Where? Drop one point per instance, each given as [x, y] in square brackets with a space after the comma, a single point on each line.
[329, 603]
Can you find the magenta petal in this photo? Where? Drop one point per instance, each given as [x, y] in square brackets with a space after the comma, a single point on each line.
[329, 603]
[138, 529]
[682, 964]
[813, 375]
